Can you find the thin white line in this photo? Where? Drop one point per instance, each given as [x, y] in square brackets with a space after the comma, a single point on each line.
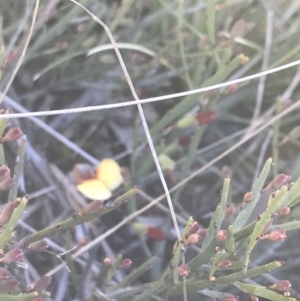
[122, 46]
[152, 99]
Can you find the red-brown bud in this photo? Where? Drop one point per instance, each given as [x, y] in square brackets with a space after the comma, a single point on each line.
[277, 235]
[202, 233]
[126, 263]
[194, 228]
[224, 264]
[229, 211]
[192, 239]
[4, 274]
[7, 212]
[278, 181]
[7, 184]
[40, 245]
[42, 283]
[247, 197]
[107, 262]
[155, 233]
[13, 134]
[4, 173]
[222, 235]
[91, 208]
[285, 211]
[17, 201]
[183, 270]
[283, 286]
[206, 117]
[12, 255]
[8, 285]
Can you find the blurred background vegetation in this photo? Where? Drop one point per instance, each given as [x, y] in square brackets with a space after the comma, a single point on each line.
[168, 47]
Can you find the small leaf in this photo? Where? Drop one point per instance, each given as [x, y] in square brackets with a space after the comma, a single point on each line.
[186, 121]
[166, 162]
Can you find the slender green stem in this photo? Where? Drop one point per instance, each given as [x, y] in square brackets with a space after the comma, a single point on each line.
[211, 17]
[194, 286]
[275, 140]
[18, 170]
[181, 43]
[76, 220]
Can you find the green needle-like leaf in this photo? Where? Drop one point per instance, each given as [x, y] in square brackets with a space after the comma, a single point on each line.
[245, 213]
[264, 220]
[262, 291]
